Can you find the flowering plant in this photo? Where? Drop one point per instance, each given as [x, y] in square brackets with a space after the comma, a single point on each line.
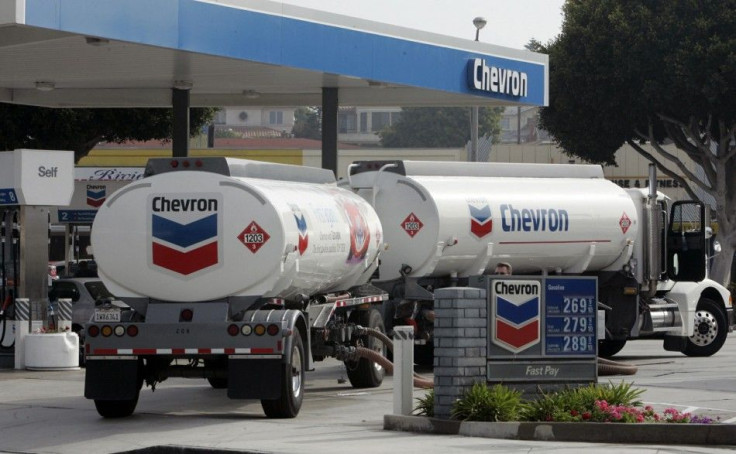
[595, 403]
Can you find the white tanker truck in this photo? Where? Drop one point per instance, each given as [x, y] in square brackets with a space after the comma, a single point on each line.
[444, 222]
[246, 273]
[239, 272]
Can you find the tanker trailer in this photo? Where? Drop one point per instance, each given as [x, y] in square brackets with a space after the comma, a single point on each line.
[446, 221]
[239, 272]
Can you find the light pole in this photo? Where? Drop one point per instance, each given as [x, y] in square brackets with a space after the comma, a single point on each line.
[479, 23]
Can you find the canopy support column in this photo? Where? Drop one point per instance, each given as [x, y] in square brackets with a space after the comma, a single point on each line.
[329, 128]
[180, 136]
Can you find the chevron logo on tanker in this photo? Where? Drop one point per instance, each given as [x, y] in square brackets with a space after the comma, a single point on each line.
[481, 222]
[184, 231]
[516, 314]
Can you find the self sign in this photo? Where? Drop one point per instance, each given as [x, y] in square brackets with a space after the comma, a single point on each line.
[49, 172]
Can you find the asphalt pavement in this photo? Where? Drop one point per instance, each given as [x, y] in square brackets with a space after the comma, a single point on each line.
[45, 412]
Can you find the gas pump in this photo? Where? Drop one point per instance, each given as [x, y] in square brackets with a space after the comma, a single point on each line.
[30, 182]
[9, 277]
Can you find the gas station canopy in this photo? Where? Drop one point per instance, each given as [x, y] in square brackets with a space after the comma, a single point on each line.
[111, 53]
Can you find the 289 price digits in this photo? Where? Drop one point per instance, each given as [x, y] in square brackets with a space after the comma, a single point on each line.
[580, 344]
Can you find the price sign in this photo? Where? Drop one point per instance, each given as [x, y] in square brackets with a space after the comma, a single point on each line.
[570, 317]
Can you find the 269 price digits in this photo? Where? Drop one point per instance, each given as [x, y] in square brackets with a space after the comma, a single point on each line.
[578, 305]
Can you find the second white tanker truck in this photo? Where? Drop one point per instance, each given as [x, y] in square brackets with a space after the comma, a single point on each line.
[446, 221]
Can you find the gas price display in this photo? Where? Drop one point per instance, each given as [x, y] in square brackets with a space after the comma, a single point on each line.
[570, 317]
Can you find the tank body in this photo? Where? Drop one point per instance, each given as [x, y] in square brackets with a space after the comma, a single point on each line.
[447, 225]
[199, 236]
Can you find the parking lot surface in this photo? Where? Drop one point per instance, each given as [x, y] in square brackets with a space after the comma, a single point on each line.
[45, 412]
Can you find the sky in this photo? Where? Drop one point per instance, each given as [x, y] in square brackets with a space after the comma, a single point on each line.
[510, 23]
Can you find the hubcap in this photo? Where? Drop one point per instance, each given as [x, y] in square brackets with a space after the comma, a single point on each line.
[706, 328]
[296, 372]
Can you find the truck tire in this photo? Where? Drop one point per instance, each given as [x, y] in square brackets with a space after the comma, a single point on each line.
[711, 328]
[365, 373]
[424, 355]
[116, 408]
[216, 382]
[292, 383]
[609, 347]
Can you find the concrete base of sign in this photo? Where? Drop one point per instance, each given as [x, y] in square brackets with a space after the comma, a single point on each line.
[661, 433]
[51, 351]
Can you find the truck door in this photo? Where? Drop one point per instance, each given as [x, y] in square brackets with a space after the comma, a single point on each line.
[686, 242]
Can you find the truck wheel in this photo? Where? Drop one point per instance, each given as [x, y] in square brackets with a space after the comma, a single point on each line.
[364, 373]
[609, 347]
[292, 383]
[216, 382]
[116, 408]
[711, 328]
[424, 355]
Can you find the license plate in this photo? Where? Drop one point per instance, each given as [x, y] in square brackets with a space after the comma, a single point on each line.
[107, 315]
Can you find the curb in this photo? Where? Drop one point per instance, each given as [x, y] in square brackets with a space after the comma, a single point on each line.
[669, 433]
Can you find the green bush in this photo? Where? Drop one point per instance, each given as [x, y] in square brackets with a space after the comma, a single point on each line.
[593, 403]
[481, 403]
[425, 405]
[568, 404]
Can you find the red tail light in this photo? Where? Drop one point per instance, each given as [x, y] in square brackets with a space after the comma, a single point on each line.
[132, 330]
[233, 330]
[186, 315]
[93, 331]
[273, 330]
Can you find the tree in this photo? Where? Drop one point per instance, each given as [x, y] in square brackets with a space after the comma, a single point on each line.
[435, 127]
[651, 71]
[81, 129]
[308, 123]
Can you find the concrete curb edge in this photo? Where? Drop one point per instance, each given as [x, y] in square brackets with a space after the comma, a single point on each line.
[664, 433]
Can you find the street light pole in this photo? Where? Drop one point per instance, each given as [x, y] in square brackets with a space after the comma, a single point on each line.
[479, 23]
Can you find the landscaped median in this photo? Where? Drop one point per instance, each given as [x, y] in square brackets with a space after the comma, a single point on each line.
[595, 413]
[651, 433]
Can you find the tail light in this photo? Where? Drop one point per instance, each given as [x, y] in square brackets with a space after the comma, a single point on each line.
[233, 330]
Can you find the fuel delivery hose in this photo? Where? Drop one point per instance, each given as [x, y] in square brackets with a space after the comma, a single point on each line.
[376, 357]
[608, 367]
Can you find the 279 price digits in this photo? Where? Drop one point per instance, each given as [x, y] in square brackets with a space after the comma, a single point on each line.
[578, 325]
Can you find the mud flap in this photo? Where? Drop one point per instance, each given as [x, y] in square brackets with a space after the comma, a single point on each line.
[111, 379]
[254, 378]
[675, 343]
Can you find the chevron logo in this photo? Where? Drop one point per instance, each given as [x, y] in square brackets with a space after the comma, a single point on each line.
[301, 225]
[516, 309]
[184, 234]
[481, 223]
[96, 195]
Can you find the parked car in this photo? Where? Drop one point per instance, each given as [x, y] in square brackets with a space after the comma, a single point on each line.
[83, 291]
[81, 268]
